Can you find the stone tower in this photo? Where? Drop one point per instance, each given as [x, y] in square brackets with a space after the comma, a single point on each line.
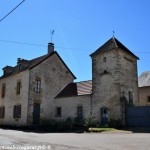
[115, 81]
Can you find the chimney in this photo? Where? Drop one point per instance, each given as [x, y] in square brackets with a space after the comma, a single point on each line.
[50, 48]
[18, 60]
[7, 70]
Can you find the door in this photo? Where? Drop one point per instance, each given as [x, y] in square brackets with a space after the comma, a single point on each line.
[36, 114]
[104, 116]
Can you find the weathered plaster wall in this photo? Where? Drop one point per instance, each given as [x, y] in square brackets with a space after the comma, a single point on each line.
[69, 106]
[11, 98]
[144, 93]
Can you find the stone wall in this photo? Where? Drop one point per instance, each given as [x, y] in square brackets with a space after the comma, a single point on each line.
[54, 76]
[112, 78]
[11, 98]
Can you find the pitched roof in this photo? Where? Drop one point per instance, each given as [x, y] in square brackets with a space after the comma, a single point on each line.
[111, 44]
[144, 79]
[29, 64]
[76, 89]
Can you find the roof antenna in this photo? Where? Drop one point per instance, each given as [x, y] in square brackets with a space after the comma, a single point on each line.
[52, 33]
[113, 33]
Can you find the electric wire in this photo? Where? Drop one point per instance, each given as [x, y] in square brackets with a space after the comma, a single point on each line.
[59, 47]
[11, 11]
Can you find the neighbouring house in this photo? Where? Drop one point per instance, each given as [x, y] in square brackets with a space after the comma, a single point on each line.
[43, 89]
[144, 89]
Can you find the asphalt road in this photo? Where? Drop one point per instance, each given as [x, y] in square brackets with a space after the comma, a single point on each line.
[73, 141]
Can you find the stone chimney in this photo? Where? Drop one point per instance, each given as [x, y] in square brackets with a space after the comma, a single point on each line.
[18, 60]
[7, 70]
[50, 48]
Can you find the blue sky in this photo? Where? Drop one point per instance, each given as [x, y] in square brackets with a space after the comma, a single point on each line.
[81, 26]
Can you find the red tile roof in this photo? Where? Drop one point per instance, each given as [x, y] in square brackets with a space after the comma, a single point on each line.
[76, 89]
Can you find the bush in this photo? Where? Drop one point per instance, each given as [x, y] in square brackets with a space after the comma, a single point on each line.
[91, 121]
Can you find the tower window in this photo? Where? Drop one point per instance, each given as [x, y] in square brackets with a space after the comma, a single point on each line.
[104, 59]
[148, 99]
[130, 97]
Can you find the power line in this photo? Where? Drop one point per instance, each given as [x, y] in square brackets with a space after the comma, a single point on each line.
[42, 45]
[11, 11]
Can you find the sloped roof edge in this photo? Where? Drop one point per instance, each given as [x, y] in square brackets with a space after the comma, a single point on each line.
[116, 44]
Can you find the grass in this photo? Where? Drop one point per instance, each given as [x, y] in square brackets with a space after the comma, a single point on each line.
[102, 130]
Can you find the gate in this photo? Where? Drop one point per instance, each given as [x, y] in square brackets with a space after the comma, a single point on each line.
[138, 116]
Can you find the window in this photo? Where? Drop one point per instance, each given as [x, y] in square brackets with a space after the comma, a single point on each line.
[17, 111]
[130, 97]
[58, 111]
[104, 59]
[38, 86]
[2, 111]
[18, 87]
[148, 99]
[3, 90]
[80, 112]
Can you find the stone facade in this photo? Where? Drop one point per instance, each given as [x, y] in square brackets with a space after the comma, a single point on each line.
[114, 72]
[47, 90]
[54, 76]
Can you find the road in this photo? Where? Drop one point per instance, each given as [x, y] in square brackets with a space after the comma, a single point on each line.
[74, 141]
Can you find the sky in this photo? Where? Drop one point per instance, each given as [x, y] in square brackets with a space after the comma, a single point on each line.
[81, 26]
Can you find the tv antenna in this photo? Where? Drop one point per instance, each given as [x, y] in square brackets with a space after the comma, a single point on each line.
[52, 34]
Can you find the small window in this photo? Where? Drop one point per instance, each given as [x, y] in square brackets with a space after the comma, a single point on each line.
[105, 72]
[58, 111]
[18, 87]
[80, 112]
[2, 111]
[148, 99]
[130, 97]
[17, 111]
[38, 86]
[104, 59]
[3, 90]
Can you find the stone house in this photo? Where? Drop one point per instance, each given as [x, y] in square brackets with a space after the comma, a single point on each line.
[42, 89]
[144, 89]
[29, 88]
